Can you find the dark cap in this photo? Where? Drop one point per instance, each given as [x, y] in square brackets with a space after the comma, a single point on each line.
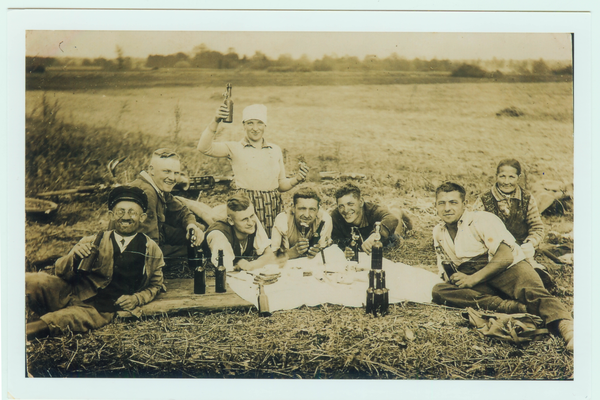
[128, 193]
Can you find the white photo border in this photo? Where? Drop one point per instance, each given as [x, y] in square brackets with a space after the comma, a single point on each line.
[13, 238]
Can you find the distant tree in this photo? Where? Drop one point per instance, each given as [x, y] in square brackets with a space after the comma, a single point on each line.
[540, 67]
[259, 61]
[469, 71]
[86, 62]
[326, 63]
[120, 58]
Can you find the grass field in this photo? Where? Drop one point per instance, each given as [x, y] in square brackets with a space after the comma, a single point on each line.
[406, 138]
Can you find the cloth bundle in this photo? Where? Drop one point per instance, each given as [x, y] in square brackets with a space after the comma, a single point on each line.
[514, 328]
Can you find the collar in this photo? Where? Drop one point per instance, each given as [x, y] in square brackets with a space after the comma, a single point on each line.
[147, 177]
[265, 145]
[119, 238]
[499, 196]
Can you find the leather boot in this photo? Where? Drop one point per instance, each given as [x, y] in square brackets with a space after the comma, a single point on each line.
[565, 328]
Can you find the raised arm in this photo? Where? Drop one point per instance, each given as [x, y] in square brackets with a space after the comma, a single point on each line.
[206, 144]
[285, 183]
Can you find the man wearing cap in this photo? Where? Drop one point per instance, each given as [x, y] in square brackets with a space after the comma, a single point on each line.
[305, 229]
[257, 165]
[126, 274]
[168, 220]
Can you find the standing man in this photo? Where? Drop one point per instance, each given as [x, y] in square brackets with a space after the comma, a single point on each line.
[169, 220]
[306, 229]
[353, 211]
[242, 238]
[127, 274]
[492, 271]
[257, 165]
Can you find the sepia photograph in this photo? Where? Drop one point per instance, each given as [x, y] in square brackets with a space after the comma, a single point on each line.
[271, 204]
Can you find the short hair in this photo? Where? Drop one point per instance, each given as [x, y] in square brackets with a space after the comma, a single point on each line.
[238, 202]
[164, 153]
[348, 188]
[306, 193]
[509, 162]
[448, 187]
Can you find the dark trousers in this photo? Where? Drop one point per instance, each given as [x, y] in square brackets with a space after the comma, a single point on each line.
[519, 282]
[174, 244]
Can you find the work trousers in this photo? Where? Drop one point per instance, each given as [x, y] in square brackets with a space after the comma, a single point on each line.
[52, 299]
[519, 282]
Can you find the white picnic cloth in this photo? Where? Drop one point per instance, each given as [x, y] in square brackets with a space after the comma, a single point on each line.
[337, 282]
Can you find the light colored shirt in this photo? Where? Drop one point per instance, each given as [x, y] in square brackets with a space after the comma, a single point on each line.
[536, 227]
[216, 241]
[479, 232]
[123, 241]
[280, 236]
[254, 168]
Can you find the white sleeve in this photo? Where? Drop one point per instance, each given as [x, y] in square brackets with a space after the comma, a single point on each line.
[261, 240]
[217, 241]
[279, 232]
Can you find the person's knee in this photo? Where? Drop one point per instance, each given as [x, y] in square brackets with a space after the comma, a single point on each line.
[437, 293]
[34, 281]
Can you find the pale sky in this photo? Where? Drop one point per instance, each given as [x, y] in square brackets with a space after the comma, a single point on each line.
[92, 44]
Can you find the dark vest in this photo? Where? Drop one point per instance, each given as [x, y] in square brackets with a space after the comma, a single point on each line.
[229, 233]
[127, 276]
[516, 222]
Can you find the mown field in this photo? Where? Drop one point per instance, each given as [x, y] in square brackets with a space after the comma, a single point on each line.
[406, 138]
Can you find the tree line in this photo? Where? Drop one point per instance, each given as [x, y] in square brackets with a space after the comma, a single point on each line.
[203, 57]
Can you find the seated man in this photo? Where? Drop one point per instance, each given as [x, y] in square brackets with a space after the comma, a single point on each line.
[305, 215]
[242, 238]
[127, 274]
[353, 211]
[169, 220]
[492, 271]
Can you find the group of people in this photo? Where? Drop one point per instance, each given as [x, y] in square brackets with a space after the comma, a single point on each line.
[492, 246]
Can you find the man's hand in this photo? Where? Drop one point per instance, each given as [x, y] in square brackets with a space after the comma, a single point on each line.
[313, 251]
[222, 113]
[127, 303]
[528, 249]
[82, 250]
[368, 244]
[463, 280]
[302, 172]
[301, 247]
[348, 253]
[197, 234]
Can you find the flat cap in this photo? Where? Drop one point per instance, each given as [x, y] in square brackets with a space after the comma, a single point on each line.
[128, 193]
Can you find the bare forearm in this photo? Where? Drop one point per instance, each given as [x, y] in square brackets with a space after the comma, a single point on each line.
[498, 264]
[288, 184]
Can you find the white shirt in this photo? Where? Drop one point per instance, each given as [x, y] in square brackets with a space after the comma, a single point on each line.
[123, 241]
[217, 241]
[479, 232]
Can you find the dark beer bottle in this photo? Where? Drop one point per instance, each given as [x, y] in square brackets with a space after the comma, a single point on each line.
[385, 300]
[86, 264]
[220, 275]
[195, 263]
[449, 268]
[377, 249]
[229, 104]
[369, 308]
[263, 302]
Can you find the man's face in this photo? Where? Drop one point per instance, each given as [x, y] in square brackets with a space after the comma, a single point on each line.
[449, 206]
[242, 221]
[305, 211]
[165, 172]
[255, 129]
[350, 208]
[128, 217]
